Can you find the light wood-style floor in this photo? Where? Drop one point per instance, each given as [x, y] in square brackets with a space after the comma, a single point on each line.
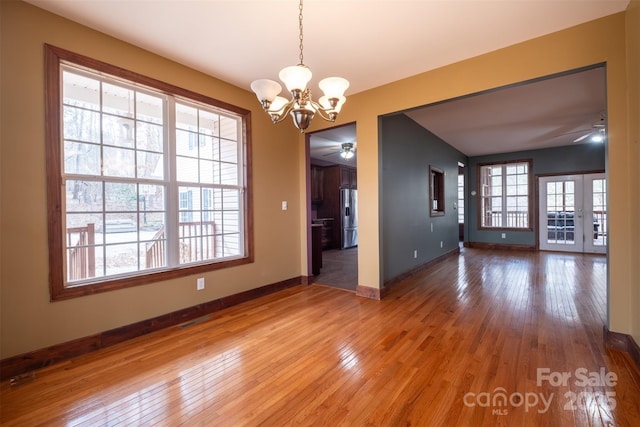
[459, 344]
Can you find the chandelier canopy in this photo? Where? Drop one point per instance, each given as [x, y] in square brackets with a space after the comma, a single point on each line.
[301, 106]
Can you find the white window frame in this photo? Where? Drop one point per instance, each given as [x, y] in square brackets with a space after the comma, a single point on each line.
[486, 218]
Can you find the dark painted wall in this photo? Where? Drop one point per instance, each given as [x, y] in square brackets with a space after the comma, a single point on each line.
[576, 158]
[406, 151]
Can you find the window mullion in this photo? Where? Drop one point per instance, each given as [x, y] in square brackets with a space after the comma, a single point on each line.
[173, 202]
[504, 218]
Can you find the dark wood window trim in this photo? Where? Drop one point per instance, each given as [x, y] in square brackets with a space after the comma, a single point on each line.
[436, 191]
[530, 200]
[54, 57]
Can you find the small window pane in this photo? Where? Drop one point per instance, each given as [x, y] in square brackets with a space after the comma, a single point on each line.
[121, 258]
[75, 220]
[230, 199]
[119, 162]
[85, 196]
[228, 128]
[206, 172]
[81, 91]
[207, 148]
[186, 117]
[81, 158]
[149, 108]
[228, 151]
[228, 174]
[187, 169]
[209, 123]
[117, 131]
[150, 165]
[186, 143]
[81, 125]
[149, 137]
[118, 100]
[120, 196]
[120, 228]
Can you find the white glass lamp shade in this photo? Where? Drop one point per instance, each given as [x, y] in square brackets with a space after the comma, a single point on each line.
[278, 103]
[295, 77]
[326, 104]
[346, 154]
[334, 87]
[265, 89]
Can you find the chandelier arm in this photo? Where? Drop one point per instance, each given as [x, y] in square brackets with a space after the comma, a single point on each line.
[279, 115]
[327, 114]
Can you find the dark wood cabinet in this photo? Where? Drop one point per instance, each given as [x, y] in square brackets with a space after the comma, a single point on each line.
[348, 177]
[316, 249]
[317, 184]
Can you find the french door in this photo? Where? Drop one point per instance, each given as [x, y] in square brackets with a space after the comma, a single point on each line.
[573, 213]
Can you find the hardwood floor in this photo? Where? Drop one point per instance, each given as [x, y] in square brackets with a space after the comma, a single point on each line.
[461, 343]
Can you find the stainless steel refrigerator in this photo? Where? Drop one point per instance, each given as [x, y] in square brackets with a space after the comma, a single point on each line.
[349, 215]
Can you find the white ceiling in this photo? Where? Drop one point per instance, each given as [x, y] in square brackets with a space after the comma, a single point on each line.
[369, 42]
[542, 114]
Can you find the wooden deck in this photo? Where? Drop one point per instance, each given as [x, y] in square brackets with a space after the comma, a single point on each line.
[461, 343]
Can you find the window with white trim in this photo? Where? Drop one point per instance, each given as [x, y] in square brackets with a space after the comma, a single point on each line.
[505, 195]
[152, 178]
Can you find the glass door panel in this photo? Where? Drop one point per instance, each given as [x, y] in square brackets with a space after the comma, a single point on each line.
[561, 213]
[573, 213]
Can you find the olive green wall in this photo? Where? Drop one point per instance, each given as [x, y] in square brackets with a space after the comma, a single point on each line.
[600, 41]
[28, 320]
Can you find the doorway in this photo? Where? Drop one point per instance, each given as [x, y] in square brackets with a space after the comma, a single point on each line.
[573, 213]
[332, 161]
[460, 205]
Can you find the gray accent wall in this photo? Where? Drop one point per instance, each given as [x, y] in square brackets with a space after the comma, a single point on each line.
[578, 158]
[406, 152]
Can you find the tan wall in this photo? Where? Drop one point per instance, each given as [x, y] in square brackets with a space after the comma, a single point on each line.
[633, 79]
[28, 320]
[595, 42]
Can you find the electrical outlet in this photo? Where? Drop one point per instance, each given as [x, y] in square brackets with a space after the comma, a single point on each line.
[284, 205]
[200, 283]
[504, 235]
[415, 254]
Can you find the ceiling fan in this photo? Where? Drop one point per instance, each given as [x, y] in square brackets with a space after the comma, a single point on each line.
[596, 133]
[346, 151]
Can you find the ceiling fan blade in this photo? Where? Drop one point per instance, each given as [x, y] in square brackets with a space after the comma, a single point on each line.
[583, 137]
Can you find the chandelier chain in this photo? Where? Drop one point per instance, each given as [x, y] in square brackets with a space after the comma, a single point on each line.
[300, 27]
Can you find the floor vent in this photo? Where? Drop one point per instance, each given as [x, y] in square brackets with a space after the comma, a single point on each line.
[22, 378]
[194, 321]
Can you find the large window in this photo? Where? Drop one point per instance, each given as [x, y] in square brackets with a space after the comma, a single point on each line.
[505, 192]
[146, 181]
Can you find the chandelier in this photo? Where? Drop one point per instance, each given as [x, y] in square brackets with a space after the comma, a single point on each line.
[301, 106]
